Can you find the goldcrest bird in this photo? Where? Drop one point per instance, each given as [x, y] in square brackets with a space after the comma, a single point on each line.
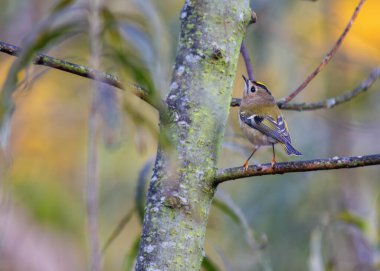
[261, 120]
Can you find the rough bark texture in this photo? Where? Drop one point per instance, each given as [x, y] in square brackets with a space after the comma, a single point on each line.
[181, 189]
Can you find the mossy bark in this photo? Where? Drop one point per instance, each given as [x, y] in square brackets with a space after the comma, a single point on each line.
[181, 188]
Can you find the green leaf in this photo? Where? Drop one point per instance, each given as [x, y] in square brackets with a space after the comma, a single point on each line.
[119, 228]
[225, 203]
[130, 259]
[159, 64]
[128, 46]
[208, 265]
[60, 5]
[132, 52]
[142, 181]
[109, 109]
[41, 41]
[29, 79]
[352, 219]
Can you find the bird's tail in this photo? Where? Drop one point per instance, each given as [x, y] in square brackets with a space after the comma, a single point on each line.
[290, 150]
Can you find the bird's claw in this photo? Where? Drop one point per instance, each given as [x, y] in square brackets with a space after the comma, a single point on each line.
[245, 166]
[273, 164]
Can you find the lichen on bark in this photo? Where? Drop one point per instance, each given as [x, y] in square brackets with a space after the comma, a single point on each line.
[181, 188]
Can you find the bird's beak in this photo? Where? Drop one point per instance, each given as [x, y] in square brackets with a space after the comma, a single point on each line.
[246, 80]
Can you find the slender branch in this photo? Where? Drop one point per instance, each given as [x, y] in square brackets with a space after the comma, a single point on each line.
[229, 174]
[93, 176]
[113, 80]
[328, 103]
[244, 52]
[332, 102]
[247, 61]
[83, 71]
[329, 55]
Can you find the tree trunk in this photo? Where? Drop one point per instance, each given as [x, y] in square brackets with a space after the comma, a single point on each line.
[181, 188]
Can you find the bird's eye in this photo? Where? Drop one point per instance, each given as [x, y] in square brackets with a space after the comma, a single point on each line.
[253, 89]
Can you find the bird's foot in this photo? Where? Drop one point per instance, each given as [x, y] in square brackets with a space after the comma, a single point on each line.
[245, 166]
[273, 163]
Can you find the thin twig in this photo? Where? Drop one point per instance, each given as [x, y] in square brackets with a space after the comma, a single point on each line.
[329, 55]
[229, 174]
[114, 81]
[328, 103]
[83, 71]
[247, 61]
[91, 192]
[92, 183]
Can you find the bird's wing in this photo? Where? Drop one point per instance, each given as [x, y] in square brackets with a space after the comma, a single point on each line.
[275, 128]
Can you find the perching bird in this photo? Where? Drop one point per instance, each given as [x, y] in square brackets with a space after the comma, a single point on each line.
[261, 120]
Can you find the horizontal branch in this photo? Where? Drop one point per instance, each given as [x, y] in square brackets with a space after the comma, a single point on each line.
[229, 174]
[113, 80]
[73, 68]
[328, 103]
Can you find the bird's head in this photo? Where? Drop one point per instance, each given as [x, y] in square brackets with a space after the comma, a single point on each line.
[255, 88]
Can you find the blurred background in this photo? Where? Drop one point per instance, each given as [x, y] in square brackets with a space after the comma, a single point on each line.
[305, 221]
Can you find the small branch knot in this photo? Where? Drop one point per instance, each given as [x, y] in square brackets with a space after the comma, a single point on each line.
[253, 17]
[175, 201]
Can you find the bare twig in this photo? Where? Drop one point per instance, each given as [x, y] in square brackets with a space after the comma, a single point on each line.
[83, 71]
[247, 61]
[229, 174]
[114, 81]
[244, 52]
[92, 183]
[332, 102]
[328, 103]
[329, 55]
[91, 192]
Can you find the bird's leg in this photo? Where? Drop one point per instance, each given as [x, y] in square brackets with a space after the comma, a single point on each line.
[273, 157]
[246, 161]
